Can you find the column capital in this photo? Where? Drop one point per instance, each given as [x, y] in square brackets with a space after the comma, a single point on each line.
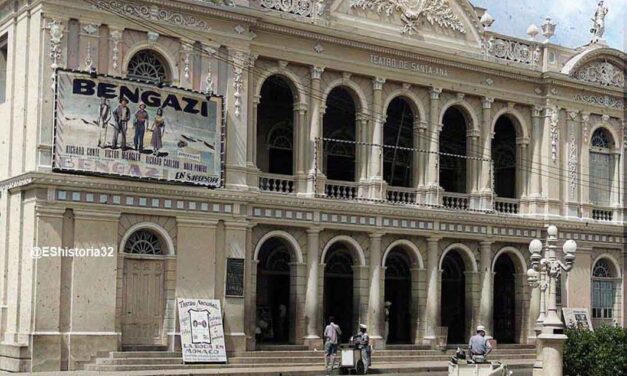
[536, 111]
[460, 96]
[585, 116]
[474, 133]
[434, 239]
[486, 102]
[376, 235]
[486, 243]
[316, 72]
[523, 141]
[313, 231]
[435, 93]
[377, 83]
[572, 114]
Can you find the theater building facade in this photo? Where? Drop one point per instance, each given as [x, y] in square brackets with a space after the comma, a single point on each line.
[380, 164]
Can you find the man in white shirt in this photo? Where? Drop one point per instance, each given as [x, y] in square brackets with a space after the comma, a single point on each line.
[331, 339]
[479, 347]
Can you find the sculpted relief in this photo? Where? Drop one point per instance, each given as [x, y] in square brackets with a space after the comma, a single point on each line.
[602, 73]
[414, 12]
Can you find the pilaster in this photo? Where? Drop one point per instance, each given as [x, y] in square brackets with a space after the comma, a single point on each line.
[314, 131]
[375, 301]
[434, 192]
[313, 309]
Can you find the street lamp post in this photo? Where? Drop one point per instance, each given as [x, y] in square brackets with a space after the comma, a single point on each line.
[545, 269]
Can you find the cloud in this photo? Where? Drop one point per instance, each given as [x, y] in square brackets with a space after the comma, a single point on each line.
[573, 19]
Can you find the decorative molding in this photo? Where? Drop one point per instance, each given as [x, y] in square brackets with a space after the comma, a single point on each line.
[414, 12]
[435, 93]
[240, 61]
[572, 155]
[209, 80]
[152, 37]
[55, 29]
[488, 81]
[239, 29]
[89, 61]
[302, 8]
[377, 83]
[512, 51]
[486, 102]
[603, 100]
[585, 124]
[554, 118]
[318, 48]
[602, 73]
[187, 51]
[153, 13]
[90, 29]
[116, 38]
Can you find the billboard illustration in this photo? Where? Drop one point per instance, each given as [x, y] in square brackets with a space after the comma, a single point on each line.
[202, 330]
[114, 126]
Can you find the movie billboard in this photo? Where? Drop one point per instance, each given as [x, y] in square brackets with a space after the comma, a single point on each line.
[202, 330]
[114, 126]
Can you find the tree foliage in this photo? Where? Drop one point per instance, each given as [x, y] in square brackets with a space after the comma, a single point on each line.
[599, 353]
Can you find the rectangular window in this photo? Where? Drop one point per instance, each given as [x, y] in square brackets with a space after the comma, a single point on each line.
[4, 54]
[600, 179]
[603, 295]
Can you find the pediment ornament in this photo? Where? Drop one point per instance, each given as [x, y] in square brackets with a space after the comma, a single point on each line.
[412, 12]
[603, 73]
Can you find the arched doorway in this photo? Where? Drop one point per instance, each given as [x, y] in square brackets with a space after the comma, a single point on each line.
[453, 297]
[274, 293]
[453, 148]
[602, 165]
[398, 297]
[143, 290]
[339, 289]
[339, 125]
[504, 158]
[606, 292]
[504, 306]
[398, 140]
[275, 127]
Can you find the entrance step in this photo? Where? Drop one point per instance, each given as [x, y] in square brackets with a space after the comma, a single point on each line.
[266, 347]
[406, 347]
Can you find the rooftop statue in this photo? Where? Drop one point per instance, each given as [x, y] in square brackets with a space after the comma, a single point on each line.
[598, 22]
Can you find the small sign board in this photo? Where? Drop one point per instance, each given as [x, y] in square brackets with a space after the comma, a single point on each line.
[235, 277]
[202, 332]
[577, 318]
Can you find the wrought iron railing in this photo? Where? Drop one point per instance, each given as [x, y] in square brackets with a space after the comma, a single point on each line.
[341, 190]
[276, 183]
[458, 201]
[506, 205]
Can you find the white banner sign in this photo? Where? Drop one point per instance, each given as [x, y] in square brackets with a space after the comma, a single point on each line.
[202, 333]
[577, 318]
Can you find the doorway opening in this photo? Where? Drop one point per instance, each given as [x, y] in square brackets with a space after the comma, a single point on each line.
[453, 297]
[504, 313]
[338, 289]
[397, 297]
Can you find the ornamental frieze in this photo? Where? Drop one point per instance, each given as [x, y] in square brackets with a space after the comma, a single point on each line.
[153, 13]
[303, 8]
[412, 12]
[601, 100]
[602, 73]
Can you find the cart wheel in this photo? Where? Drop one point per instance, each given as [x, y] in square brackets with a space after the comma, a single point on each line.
[359, 368]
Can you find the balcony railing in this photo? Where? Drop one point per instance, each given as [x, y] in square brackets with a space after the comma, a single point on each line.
[506, 205]
[602, 214]
[457, 201]
[341, 190]
[276, 183]
[513, 50]
[304, 8]
[401, 195]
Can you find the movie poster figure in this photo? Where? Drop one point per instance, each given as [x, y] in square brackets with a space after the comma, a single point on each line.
[104, 115]
[141, 119]
[158, 130]
[200, 326]
[121, 115]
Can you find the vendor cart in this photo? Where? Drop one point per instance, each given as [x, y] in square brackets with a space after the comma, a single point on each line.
[484, 369]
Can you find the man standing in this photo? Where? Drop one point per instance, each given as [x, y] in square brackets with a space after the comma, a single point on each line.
[104, 115]
[479, 347]
[331, 336]
[362, 341]
[141, 119]
[122, 115]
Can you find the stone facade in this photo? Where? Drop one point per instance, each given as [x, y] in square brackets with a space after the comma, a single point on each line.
[58, 312]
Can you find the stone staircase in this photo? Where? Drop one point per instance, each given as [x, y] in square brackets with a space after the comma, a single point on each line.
[393, 359]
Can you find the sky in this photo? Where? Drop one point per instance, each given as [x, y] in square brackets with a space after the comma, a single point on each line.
[573, 19]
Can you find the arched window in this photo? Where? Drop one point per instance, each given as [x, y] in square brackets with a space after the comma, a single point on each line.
[601, 167]
[339, 125]
[604, 290]
[147, 65]
[143, 242]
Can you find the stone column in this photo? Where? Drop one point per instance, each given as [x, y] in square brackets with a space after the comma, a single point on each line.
[485, 165]
[313, 307]
[433, 183]
[432, 310]
[252, 101]
[474, 167]
[375, 301]
[522, 167]
[419, 158]
[570, 165]
[361, 153]
[314, 131]
[300, 150]
[376, 151]
[486, 303]
[535, 190]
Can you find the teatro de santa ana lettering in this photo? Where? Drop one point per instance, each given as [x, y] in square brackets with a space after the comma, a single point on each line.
[384, 162]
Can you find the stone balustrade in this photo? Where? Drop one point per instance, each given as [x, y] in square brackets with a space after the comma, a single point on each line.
[276, 183]
[506, 205]
[341, 190]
